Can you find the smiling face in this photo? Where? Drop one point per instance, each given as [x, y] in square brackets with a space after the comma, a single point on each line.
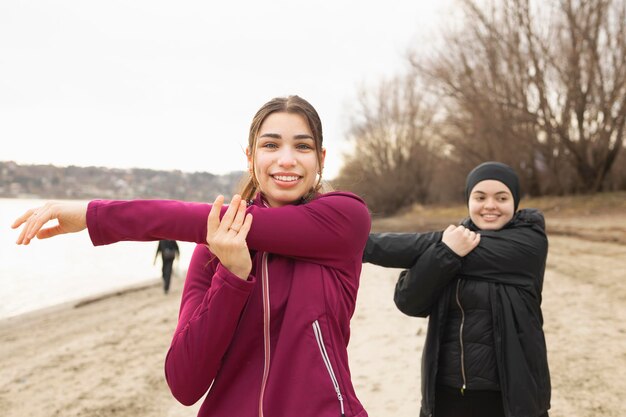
[285, 158]
[491, 205]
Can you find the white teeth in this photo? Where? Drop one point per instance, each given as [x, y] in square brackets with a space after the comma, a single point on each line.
[286, 177]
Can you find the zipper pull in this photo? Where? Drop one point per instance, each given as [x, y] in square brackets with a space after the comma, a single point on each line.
[463, 390]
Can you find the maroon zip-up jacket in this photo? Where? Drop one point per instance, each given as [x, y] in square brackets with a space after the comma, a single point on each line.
[273, 345]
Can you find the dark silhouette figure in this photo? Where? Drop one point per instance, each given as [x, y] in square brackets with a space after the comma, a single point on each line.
[169, 251]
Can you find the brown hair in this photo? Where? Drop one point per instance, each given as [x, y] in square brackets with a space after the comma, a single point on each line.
[291, 104]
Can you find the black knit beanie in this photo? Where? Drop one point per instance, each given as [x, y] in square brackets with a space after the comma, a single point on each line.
[493, 171]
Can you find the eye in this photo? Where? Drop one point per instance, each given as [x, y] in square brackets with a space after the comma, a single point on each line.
[304, 146]
[269, 145]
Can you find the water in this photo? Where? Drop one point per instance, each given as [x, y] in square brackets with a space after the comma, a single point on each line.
[68, 267]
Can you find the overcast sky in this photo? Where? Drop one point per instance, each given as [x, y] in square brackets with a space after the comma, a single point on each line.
[174, 84]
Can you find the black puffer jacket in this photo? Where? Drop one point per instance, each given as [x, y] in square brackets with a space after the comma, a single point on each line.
[511, 261]
[467, 358]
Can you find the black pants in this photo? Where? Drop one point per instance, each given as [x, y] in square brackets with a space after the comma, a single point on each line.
[449, 402]
[167, 274]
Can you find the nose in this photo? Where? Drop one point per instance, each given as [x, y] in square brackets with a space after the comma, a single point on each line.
[287, 157]
[490, 203]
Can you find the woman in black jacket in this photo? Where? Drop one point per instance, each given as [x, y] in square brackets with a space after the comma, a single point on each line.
[480, 285]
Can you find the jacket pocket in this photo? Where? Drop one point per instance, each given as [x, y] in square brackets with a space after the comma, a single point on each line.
[317, 330]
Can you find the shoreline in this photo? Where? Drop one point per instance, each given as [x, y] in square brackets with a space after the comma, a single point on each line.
[79, 302]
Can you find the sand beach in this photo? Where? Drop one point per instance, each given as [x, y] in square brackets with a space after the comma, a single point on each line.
[104, 356]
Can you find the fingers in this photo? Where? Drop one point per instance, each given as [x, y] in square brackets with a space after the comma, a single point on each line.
[460, 239]
[32, 220]
[17, 223]
[226, 238]
[22, 219]
[36, 221]
[239, 217]
[231, 221]
[49, 232]
[466, 234]
[448, 233]
[471, 239]
[228, 219]
[245, 227]
[475, 240]
[455, 232]
[213, 221]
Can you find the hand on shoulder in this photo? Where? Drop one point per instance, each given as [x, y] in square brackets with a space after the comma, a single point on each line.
[460, 239]
[226, 237]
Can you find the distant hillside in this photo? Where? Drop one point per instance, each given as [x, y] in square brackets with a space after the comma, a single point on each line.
[48, 181]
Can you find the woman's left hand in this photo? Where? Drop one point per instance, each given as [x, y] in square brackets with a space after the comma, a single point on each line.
[226, 238]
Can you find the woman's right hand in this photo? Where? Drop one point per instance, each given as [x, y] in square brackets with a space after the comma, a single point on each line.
[460, 239]
[226, 238]
[72, 217]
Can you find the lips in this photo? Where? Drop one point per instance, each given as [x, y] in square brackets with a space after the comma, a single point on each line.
[490, 217]
[286, 178]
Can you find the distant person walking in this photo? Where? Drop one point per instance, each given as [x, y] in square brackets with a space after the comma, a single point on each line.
[169, 251]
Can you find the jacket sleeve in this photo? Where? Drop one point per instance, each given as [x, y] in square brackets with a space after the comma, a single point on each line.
[419, 287]
[327, 230]
[330, 230]
[398, 250]
[212, 302]
[515, 255]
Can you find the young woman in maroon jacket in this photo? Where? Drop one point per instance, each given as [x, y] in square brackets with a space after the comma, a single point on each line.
[265, 314]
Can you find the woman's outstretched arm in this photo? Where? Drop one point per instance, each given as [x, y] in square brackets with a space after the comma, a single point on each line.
[398, 250]
[330, 229]
[420, 286]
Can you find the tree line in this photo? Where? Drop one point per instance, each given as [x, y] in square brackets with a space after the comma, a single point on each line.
[539, 85]
[73, 182]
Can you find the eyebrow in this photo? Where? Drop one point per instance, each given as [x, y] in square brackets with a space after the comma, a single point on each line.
[482, 192]
[302, 136]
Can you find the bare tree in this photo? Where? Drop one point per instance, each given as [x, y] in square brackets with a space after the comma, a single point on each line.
[539, 85]
[391, 163]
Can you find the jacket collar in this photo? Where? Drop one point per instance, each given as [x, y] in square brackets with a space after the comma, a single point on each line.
[260, 201]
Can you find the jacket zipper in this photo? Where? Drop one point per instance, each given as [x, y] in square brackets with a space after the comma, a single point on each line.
[458, 302]
[266, 328]
[320, 343]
